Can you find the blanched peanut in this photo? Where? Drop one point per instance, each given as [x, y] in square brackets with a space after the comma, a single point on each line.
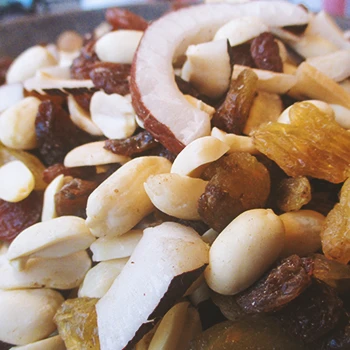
[52, 343]
[51, 239]
[244, 250]
[100, 278]
[176, 195]
[303, 230]
[59, 273]
[120, 202]
[17, 124]
[16, 181]
[192, 160]
[27, 315]
[108, 248]
[49, 207]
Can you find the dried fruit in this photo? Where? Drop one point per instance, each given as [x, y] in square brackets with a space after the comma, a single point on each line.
[279, 287]
[228, 306]
[312, 145]
[124, 19]
[335, 235]
[5, 63]
[84, 100]
[241, 55]
[15, 217]
[339, 339]
[76, 321]
[238, 182]
[265, 52]
[232, 115]
[293, 193]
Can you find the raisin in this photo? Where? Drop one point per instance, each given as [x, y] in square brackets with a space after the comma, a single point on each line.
[84, 100]
[123, 19]
[241, 55]
[265, 52]
[238, 182]
[113, 78]
[232, 115]
[84, 172]
[314, 313]
[57, 99]
[56, 134]
[15, 217]
[312, 145]
[161, 151]
[73, 196]
[278, 287]
[338, 339]
[228, 306]
[5, 63]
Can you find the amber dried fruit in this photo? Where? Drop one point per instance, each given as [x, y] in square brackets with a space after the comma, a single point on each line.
[314, 313]
[241, 55]
[15, 217]
[232, 115]
[84, 100]
[278, 287]
[335, 235]
[76, 321]
[265, 52]
[312, 145]
[5, 63]
[56, 134]
[237, 182]
[73, 196]
[123, 19]
[113, 78]
[293, 193]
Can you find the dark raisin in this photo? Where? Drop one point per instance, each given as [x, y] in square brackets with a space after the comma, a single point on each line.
[338, 339]
[161, 151]
[84, 100]
[241, 55]
[5, 63]
[123, 19]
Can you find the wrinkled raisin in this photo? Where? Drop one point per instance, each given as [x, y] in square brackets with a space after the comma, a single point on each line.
[84, 100]
[123, 19]
[241, 55]
[161, 151]
[279, 287]
[5, 63]
[15, 217]
[113, 78]
[232, 115]
[56, 134]
[338, 339]
[265, 52]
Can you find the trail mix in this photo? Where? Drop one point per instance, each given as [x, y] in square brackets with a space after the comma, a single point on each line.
[180, 184]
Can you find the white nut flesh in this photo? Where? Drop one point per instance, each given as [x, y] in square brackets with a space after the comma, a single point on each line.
[49, 206]
[244, 250]
[53, 72]
[16, 181]
[69, 41]
[176, 195]
[27, 315]
[342, 115]
[17, 124]
[108, 248]
[52, 343]
[10, 94]
[118, 46]
[200, 105]
[120, 202]
[113, 114]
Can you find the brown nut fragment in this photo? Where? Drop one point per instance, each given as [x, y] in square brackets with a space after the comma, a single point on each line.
[232, 115]
[265, 52]
[123, 19]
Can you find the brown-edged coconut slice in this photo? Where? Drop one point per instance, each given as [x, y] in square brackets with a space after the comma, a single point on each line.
[156, 98]
[167, 260]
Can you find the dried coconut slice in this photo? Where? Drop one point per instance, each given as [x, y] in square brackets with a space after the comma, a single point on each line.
[156, 98]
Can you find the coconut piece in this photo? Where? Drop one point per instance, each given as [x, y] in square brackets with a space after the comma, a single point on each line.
[10, 94]
[208, 67]
[108, 248]
[52, 343]
[49, 206]
[156, 98]
[164, 264]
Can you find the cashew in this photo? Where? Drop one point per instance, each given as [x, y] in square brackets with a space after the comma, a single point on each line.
[175, 194]
[28, 62]
[126, 42]
[27, 315]
[16, 181]
[100, 278]
[10, 94]
[17, 124]
[49, 207]
[244, 250]
[52, 343]
[303, 230]
[92, 153]
[108, 248]
[192, 160]
[120, 202]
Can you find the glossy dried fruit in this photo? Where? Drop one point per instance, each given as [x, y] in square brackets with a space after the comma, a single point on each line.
[279, 287]
[312, 145]
[15, 217]
[73, 196]
[123, 19]
[241, 55]
[84, 100]
[335, 235]
[237, 182]
[76, 321]
[5, 63]
[56, 134]
[293, 193]
[232, 115]
[113, 78]
[265, 52]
